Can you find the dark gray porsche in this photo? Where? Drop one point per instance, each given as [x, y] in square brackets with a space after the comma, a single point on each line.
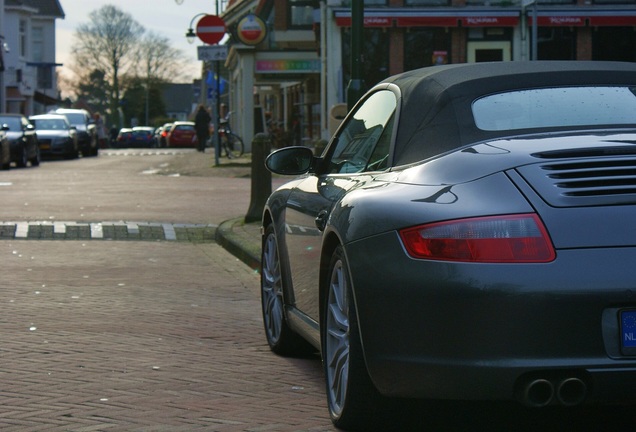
[469, 233]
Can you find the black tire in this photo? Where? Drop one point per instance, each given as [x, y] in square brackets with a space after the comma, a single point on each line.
[281, 338]
[23, 160]
[35, 160]
[353, 401]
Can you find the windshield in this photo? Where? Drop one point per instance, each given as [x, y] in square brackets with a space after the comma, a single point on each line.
[13, 123]
[556, 107]
[50, 124]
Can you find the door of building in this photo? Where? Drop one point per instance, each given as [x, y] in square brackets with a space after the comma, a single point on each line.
[485, 51]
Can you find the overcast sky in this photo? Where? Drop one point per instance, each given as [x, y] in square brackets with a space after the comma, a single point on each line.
[164, 17]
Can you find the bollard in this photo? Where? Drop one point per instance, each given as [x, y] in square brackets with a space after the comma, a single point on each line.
[261, 177]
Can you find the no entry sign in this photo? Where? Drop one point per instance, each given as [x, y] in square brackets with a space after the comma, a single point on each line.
[210, 29]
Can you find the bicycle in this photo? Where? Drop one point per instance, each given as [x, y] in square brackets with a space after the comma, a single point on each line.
[230, 142]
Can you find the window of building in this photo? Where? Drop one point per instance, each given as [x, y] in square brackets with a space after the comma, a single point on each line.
[301, 13]
[557, 43]
[22, 38]
[425, 47]
[429, 2]
[375, 56]
[37, 43]
[614, 43]
[45, 77]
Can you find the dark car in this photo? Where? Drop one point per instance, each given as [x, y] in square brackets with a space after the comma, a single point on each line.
[22, 139]
[143, 136]
[182, 134]
[56, 135]
[467, 234]
[86, 131]
[124, 138]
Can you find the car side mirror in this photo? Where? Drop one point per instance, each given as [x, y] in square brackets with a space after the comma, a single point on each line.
[30, 127]
[294, 160]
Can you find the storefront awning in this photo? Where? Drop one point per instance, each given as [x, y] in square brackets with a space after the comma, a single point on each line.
[587, 17]
[490, 17]
[432, 18]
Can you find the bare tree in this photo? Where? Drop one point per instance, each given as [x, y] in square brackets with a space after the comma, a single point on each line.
[107, 43]
[158, 61]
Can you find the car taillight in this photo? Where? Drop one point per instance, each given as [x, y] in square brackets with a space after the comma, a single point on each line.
[519, 238]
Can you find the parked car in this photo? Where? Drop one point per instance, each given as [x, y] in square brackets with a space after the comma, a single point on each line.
[182, 134]
[56, 135]
[23, 141]
[465, 235]
[143, 136]
[86, 132]
[5, 148]
[124, 138]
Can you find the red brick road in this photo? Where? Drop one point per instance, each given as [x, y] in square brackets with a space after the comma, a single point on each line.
[97, 336]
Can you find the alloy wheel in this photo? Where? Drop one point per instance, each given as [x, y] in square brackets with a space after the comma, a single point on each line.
[272, 290]
[337, 342]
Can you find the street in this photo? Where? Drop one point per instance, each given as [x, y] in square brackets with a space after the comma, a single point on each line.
[138, 335]
[159, 334]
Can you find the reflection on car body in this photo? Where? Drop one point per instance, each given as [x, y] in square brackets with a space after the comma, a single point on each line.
[466, 223]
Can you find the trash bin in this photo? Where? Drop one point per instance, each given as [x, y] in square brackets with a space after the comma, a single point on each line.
[336, 114]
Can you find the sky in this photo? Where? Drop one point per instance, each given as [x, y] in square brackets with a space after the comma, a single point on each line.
[164, 17]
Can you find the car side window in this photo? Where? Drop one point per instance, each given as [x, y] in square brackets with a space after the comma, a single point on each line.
[364, 141]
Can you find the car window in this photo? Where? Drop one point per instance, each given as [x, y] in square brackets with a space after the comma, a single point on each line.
[13, 123]
[556, 107]
[363, 143]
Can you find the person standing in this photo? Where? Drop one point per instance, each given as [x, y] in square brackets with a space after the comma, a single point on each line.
[202, 127]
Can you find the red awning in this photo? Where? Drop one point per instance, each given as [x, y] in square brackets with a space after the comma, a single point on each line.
[575, 16]
[431, 18]
[586, 17]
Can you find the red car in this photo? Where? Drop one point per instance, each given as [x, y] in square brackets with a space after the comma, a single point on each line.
[182, 134]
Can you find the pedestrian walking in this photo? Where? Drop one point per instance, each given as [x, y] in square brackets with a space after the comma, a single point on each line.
[100, 128]
[202, 127]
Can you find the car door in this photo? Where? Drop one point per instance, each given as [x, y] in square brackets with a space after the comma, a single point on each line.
[361, 146]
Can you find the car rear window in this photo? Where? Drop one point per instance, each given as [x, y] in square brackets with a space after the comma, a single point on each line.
[556, 107]
[184, 128]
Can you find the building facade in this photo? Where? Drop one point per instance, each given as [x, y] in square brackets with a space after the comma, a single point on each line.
[297, 73]
[28, 36]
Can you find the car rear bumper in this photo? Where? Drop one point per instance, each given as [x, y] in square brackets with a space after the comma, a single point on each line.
[488, 331]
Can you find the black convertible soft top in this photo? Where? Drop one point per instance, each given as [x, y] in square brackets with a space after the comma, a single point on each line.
[436, 113]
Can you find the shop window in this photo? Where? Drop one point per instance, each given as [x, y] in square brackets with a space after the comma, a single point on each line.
[375, 56]
[429, 2]
[614, 43]
[613, 1]
[425, 47]
[556, 43]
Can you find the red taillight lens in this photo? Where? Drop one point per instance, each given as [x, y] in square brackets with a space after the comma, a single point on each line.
[518, 238]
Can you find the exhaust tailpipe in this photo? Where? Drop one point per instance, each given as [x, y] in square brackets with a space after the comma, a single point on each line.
[538, 393]
[571, 391]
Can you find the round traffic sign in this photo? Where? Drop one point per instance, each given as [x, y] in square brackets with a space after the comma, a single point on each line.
[210, 29]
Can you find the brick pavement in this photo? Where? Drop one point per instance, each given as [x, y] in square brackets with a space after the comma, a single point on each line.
[98, 336]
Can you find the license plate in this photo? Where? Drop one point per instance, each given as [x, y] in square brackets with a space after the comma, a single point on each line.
[628, 331]
[45, 146]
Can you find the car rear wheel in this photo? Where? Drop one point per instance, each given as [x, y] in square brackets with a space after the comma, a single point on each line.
[281, 338]
[352, 399]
